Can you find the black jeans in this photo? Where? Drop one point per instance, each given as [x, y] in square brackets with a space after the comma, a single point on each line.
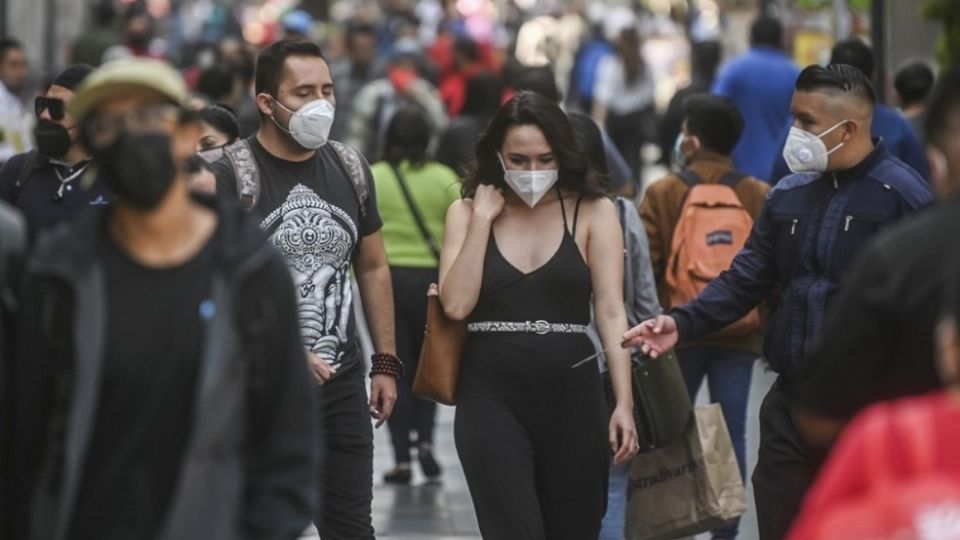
[785, 466]
[410, 309]
[346, 470]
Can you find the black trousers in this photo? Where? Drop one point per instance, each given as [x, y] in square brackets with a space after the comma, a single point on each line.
[531, 434]
[410, 308]
[346, 470]
[786, 467]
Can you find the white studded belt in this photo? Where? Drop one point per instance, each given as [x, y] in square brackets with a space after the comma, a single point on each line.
[527, 327]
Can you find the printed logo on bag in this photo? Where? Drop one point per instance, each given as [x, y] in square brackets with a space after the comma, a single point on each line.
[663, 475]
[720, 237]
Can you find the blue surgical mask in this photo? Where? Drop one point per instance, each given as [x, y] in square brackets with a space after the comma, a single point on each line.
[679, 159]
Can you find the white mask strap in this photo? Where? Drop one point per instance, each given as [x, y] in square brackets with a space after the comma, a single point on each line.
[820, 136]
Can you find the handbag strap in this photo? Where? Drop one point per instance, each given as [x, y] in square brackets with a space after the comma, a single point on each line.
[417, 217]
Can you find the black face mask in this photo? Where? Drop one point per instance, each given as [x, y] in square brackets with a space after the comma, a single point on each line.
[53, 140]
[137, 168]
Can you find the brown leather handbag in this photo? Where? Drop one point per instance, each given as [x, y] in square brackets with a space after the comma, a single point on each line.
[439, 368]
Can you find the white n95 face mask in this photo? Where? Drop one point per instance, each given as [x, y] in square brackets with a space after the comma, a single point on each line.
[531, 186]
[310, 124]
[805, 152]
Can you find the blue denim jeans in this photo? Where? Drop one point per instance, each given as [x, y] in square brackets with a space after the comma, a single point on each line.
[615, 519]
[728, 374]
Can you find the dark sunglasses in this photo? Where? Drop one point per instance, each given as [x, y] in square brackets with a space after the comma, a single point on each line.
[54, 105]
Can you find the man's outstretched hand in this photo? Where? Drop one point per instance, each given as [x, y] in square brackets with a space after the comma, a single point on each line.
[654, 337]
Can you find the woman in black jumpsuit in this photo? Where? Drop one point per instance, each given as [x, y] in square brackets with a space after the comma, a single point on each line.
[531, 426]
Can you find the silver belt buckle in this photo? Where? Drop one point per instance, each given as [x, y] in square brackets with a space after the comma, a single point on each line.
[541, 327]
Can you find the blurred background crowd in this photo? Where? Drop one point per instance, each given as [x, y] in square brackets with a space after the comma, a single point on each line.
[458, 59]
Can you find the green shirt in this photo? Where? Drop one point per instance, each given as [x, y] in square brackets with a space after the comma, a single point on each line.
[433, 187]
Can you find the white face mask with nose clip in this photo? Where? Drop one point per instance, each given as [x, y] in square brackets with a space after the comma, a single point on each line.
[310, 124]
[805, 152]
[530, 186]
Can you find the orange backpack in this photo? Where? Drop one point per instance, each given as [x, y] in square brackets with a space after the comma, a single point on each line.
[713, 228]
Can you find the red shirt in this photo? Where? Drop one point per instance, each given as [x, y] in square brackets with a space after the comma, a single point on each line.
[895, 461]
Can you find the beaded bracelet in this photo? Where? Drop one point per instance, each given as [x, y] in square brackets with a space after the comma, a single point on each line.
[386, 364]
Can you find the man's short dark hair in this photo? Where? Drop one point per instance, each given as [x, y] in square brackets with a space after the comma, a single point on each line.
[854, 52]
[767, 30]
[913, 82]
[715, 120]
[842, 78]
[944, 104]
[6, 45]
[269, 70]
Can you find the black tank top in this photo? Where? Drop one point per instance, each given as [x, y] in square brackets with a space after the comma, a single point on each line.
[557, 292]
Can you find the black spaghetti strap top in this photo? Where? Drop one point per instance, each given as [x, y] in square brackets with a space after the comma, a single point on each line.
[557, 292]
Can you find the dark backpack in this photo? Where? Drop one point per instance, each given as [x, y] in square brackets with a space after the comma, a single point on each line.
[247, 173]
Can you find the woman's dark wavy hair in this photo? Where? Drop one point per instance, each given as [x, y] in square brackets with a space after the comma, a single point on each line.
[533, 109]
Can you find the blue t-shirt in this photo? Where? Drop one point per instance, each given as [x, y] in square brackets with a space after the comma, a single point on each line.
[761, 83]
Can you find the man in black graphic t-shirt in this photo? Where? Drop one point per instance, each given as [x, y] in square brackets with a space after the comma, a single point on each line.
[314, 201]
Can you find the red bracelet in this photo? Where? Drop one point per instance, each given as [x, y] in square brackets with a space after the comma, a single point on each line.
[386, 364]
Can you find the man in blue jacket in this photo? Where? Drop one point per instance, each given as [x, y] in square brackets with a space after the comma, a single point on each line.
[845, 188]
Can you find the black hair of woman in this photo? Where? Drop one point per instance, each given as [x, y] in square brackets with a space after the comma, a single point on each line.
[221, 118]
[533, 109]
[407, 137]
[591, 141]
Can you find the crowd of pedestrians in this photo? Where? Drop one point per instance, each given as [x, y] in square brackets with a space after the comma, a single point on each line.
[189, 226]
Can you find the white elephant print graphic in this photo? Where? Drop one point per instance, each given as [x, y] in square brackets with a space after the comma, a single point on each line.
[317, 239]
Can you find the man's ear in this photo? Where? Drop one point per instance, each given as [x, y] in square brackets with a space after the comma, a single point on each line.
[265, 104]
[691, 143]
[850, 129]
[938, 171]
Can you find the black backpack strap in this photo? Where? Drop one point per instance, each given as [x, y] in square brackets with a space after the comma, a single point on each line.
[246, 173]
[417, 216]
[732, 178]
[357, 170]
[689, 177]
[27, 167]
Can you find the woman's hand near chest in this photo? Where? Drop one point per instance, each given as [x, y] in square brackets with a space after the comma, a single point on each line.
[466, 232]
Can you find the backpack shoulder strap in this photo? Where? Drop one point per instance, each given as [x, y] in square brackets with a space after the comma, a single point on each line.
[357, 170]
[245, 171]
[732, 178]
[689, 177]
[26, 172]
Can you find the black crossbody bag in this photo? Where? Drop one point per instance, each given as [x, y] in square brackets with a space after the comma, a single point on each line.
[417, 217]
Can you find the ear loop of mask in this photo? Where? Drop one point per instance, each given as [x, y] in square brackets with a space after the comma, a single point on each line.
[503, 164]
[835, 126]
[274, 118]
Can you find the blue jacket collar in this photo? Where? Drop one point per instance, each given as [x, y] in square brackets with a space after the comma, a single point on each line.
[876, 155]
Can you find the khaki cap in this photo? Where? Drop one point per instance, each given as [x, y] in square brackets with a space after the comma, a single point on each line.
[120, 76]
